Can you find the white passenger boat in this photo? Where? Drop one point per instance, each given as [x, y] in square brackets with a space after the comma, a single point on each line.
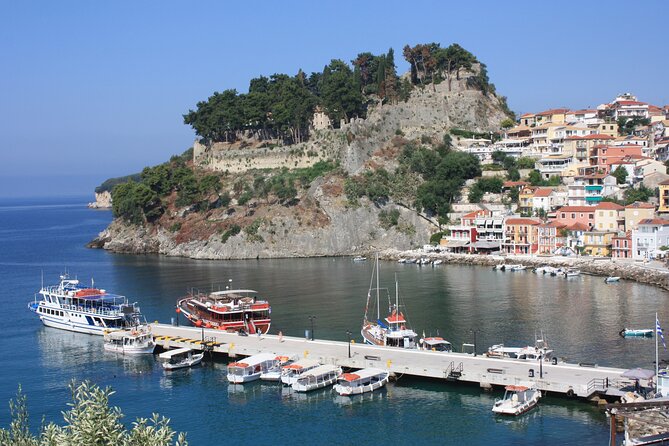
[317, 378]
[394, 332]
[290, 372]
[250, 369]
[135, 341]
[180, 358]
[538, 351]
[436, 344]
[274, 373]
[74, 307]
[612, 279]
[517, 400]
[362, 381]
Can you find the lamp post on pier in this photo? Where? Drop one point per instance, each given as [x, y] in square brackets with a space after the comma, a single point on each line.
[311, 318]
[349, 342]
[475, 331]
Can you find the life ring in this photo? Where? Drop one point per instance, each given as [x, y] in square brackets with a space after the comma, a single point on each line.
[570, 393]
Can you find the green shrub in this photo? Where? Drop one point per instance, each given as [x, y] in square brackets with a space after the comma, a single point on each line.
[230, 232]
[388, 219]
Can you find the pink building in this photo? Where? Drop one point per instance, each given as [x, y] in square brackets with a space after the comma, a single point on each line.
[622, 245]
[584, 215]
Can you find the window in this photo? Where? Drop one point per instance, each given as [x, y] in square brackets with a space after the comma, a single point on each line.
[573, 215]
[610, 213]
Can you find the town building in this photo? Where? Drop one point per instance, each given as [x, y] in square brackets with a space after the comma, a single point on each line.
[664, 197]
[649, 237]
[636, 212]
[521, 235]
[609, 217]
[621, 245]
[597, 243]
[550, 237]
[584, 215]
[589, 189]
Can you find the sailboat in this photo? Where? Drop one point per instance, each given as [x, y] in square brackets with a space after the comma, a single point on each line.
[394, 331]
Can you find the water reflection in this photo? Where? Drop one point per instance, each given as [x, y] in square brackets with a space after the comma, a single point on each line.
[67, 350]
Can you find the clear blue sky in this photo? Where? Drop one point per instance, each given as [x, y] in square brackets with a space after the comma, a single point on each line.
[92, 90]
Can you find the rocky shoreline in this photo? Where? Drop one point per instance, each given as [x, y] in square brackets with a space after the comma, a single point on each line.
[604, 267]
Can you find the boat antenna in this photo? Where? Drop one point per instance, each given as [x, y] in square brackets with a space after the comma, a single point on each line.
[378, 309]
[42, 271]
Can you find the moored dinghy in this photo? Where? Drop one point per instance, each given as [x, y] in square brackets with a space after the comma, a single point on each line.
[180, 358]
[362, 381]
[612, 279]
[290, 372]
[274, 373]
[135, 341]
[636, 332]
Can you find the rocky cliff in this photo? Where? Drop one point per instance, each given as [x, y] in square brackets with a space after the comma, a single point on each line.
[103, 200]
[319, 221]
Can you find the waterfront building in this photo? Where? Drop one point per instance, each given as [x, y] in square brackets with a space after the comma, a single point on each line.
[551, 237]
[489, 234]
[598, 243]
[636, 212]
[621, 247]
[609, 217]
[649, 237]
[460, 238]
[521, 235]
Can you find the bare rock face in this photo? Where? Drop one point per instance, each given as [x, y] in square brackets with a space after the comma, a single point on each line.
[103, 200]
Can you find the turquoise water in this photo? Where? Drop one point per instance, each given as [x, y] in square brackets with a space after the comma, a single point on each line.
[580, 318]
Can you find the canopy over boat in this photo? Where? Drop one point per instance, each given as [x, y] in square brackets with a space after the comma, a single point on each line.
[302, 363]
[320, 370]
[360, 374]
[638, 373]
[253, 360]
[178, 351]
[395, 318]
[513, 388]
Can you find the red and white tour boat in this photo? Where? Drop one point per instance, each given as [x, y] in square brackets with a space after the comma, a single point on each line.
[229, 310]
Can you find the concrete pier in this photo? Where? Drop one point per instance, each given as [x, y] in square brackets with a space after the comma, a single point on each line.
[582, 380]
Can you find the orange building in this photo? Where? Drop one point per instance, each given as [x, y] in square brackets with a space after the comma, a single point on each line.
[521, 235]
[603, 156]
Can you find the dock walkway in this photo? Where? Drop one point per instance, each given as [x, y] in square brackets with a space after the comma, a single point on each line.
[582, 380]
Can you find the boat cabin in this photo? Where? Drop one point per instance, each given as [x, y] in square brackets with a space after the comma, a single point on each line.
[437, 344]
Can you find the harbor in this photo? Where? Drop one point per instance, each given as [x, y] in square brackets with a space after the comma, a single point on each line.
[583, 380]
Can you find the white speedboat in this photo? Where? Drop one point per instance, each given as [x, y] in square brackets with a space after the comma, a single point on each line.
[74, 307]
[499, 351]
[135, 341]
[359, 259]
[572, 273]
[518, 267]
[250, 369]
[274, 374]
[517, 400]
[362, 381]
[437, 262]
[290, 372]
[180, 358]
[612, 279]
[317, 378]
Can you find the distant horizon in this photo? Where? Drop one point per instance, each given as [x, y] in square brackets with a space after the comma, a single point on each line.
[97, 87]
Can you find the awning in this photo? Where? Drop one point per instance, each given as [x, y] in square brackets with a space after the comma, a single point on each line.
[638, 373]
[482, 244]
[457, 243]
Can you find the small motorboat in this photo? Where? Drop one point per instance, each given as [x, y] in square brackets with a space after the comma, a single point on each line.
[290, 372]
[180, 358]
[517, 267]
[250, 369]
[437, 262]
[316, 378]
[436, 344]
[572, 273]
[359, 259]
[612, 279]
[362, 381]
[517, 400]
[402, 260]
[135, 341]
[636, 332]
[274, 373]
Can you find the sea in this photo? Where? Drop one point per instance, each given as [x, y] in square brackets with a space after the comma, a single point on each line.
[41, 238]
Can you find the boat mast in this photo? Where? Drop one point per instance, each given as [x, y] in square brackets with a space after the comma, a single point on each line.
[378, 308]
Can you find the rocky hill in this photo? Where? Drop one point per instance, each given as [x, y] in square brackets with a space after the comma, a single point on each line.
[249, 214]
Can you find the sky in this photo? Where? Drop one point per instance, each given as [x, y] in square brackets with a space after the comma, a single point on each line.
[93, 90]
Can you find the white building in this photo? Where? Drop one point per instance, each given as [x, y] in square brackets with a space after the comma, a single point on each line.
[650, 235]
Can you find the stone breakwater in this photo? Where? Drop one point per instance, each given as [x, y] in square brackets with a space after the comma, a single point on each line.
[596, 266]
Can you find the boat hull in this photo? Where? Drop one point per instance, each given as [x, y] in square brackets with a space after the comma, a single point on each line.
[195, 360]
[64, 324]
[241, 379]
[299, 387]
[147, 350]
[357, 390]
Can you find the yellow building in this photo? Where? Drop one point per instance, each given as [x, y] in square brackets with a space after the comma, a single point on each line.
[521, 235]
[636, 212]
[664, 196]
[597, 243]
[554, 116]
[609, 217]
[525, 202]
[608, 128]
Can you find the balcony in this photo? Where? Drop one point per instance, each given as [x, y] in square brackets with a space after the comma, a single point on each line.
[594, 188]
[593, 199]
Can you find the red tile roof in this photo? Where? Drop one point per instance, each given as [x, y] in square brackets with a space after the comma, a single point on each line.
[522, 221]
[553, 111]
[609, 206]
[631, 103]
[640, 205]
[553, 224]
[543, 192]
[654, 221]
[475, 214]
[576, 209]
[578, 227]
